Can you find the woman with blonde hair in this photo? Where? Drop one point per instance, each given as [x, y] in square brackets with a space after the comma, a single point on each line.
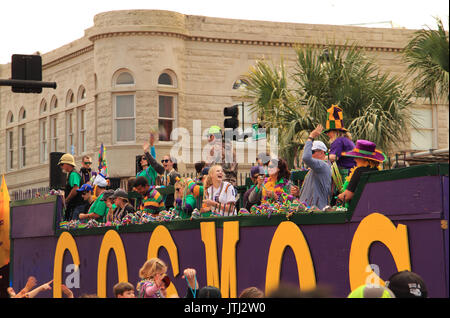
[220, 195]
[152, 275]
[185, 201]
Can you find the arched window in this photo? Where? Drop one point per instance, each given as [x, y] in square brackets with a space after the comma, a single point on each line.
[22, 114]
[9, 118]
[165, 79]
[70, 98]
[43, 107]
[125, 78]
[54, 102]
[81, 94]
[124, 108]
[167, 104]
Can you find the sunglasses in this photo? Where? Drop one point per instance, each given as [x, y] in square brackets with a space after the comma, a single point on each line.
[165, 161]
[178, 189]
[87, 163]
[84, 193]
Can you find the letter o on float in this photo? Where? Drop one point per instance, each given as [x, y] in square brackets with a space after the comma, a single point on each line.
[111, 240]
[289, 234]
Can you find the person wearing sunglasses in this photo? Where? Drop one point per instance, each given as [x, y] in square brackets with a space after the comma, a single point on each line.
[147, 163]
[316, 187]
[86, 191]
[86, 169]
[167, 169]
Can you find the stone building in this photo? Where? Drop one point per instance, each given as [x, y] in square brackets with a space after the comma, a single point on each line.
[138, 70]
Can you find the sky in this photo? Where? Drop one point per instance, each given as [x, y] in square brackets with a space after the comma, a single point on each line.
[28, 26]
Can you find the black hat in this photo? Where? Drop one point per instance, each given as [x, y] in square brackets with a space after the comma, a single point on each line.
[406, 284]
[107, 194]
[120, 193]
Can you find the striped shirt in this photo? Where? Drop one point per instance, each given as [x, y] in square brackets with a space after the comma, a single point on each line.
[152, 202]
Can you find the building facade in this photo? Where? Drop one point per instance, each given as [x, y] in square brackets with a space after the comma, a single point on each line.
[140, 70]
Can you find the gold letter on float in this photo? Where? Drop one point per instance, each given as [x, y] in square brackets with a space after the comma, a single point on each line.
[161, 238]
[228, 288]
[208, 232]
[289, 234]
[111, 240]
[376, 227]
[65, 242]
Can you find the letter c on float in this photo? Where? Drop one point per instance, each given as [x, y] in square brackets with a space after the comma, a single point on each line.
[65, 242]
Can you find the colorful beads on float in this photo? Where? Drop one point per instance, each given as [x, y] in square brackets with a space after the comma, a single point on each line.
[286, 206]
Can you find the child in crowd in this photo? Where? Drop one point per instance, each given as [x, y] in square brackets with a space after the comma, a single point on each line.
[124, 290]
[152, 274]
[220, 195]
[185, 201]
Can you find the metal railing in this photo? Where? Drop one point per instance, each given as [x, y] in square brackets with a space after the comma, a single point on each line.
[29, 193]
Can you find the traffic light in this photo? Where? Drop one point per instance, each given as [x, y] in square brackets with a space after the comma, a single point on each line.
[233, 112]
[26, 67]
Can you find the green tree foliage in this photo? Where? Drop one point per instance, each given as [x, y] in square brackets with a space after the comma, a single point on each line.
[375, 105]
[427, 56]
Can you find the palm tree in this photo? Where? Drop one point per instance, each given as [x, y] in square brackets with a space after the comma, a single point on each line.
[427, 57]
[375, 105]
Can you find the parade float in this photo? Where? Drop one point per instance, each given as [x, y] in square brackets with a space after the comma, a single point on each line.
[397, 220]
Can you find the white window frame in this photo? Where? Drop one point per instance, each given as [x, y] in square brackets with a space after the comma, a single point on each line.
[43, 139]
[423, 129]
[22, 146]
[70, 132]
[10, 150]
[81, 128]
[115, 95]
[175, 113]
[53, 133]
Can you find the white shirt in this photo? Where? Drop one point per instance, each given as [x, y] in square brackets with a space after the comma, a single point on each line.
[223, 196]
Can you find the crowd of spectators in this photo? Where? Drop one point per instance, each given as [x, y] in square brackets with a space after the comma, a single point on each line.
[158, 190]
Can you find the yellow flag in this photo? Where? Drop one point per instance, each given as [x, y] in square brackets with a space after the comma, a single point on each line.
[4, 223]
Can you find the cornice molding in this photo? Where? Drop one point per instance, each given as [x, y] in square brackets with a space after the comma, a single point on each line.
[207, 39]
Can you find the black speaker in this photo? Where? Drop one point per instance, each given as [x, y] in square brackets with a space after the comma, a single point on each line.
[57, 177]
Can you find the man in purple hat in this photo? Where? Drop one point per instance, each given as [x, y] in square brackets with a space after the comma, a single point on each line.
[367, 158]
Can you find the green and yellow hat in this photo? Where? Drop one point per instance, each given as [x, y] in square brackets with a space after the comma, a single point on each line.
[335, 120]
